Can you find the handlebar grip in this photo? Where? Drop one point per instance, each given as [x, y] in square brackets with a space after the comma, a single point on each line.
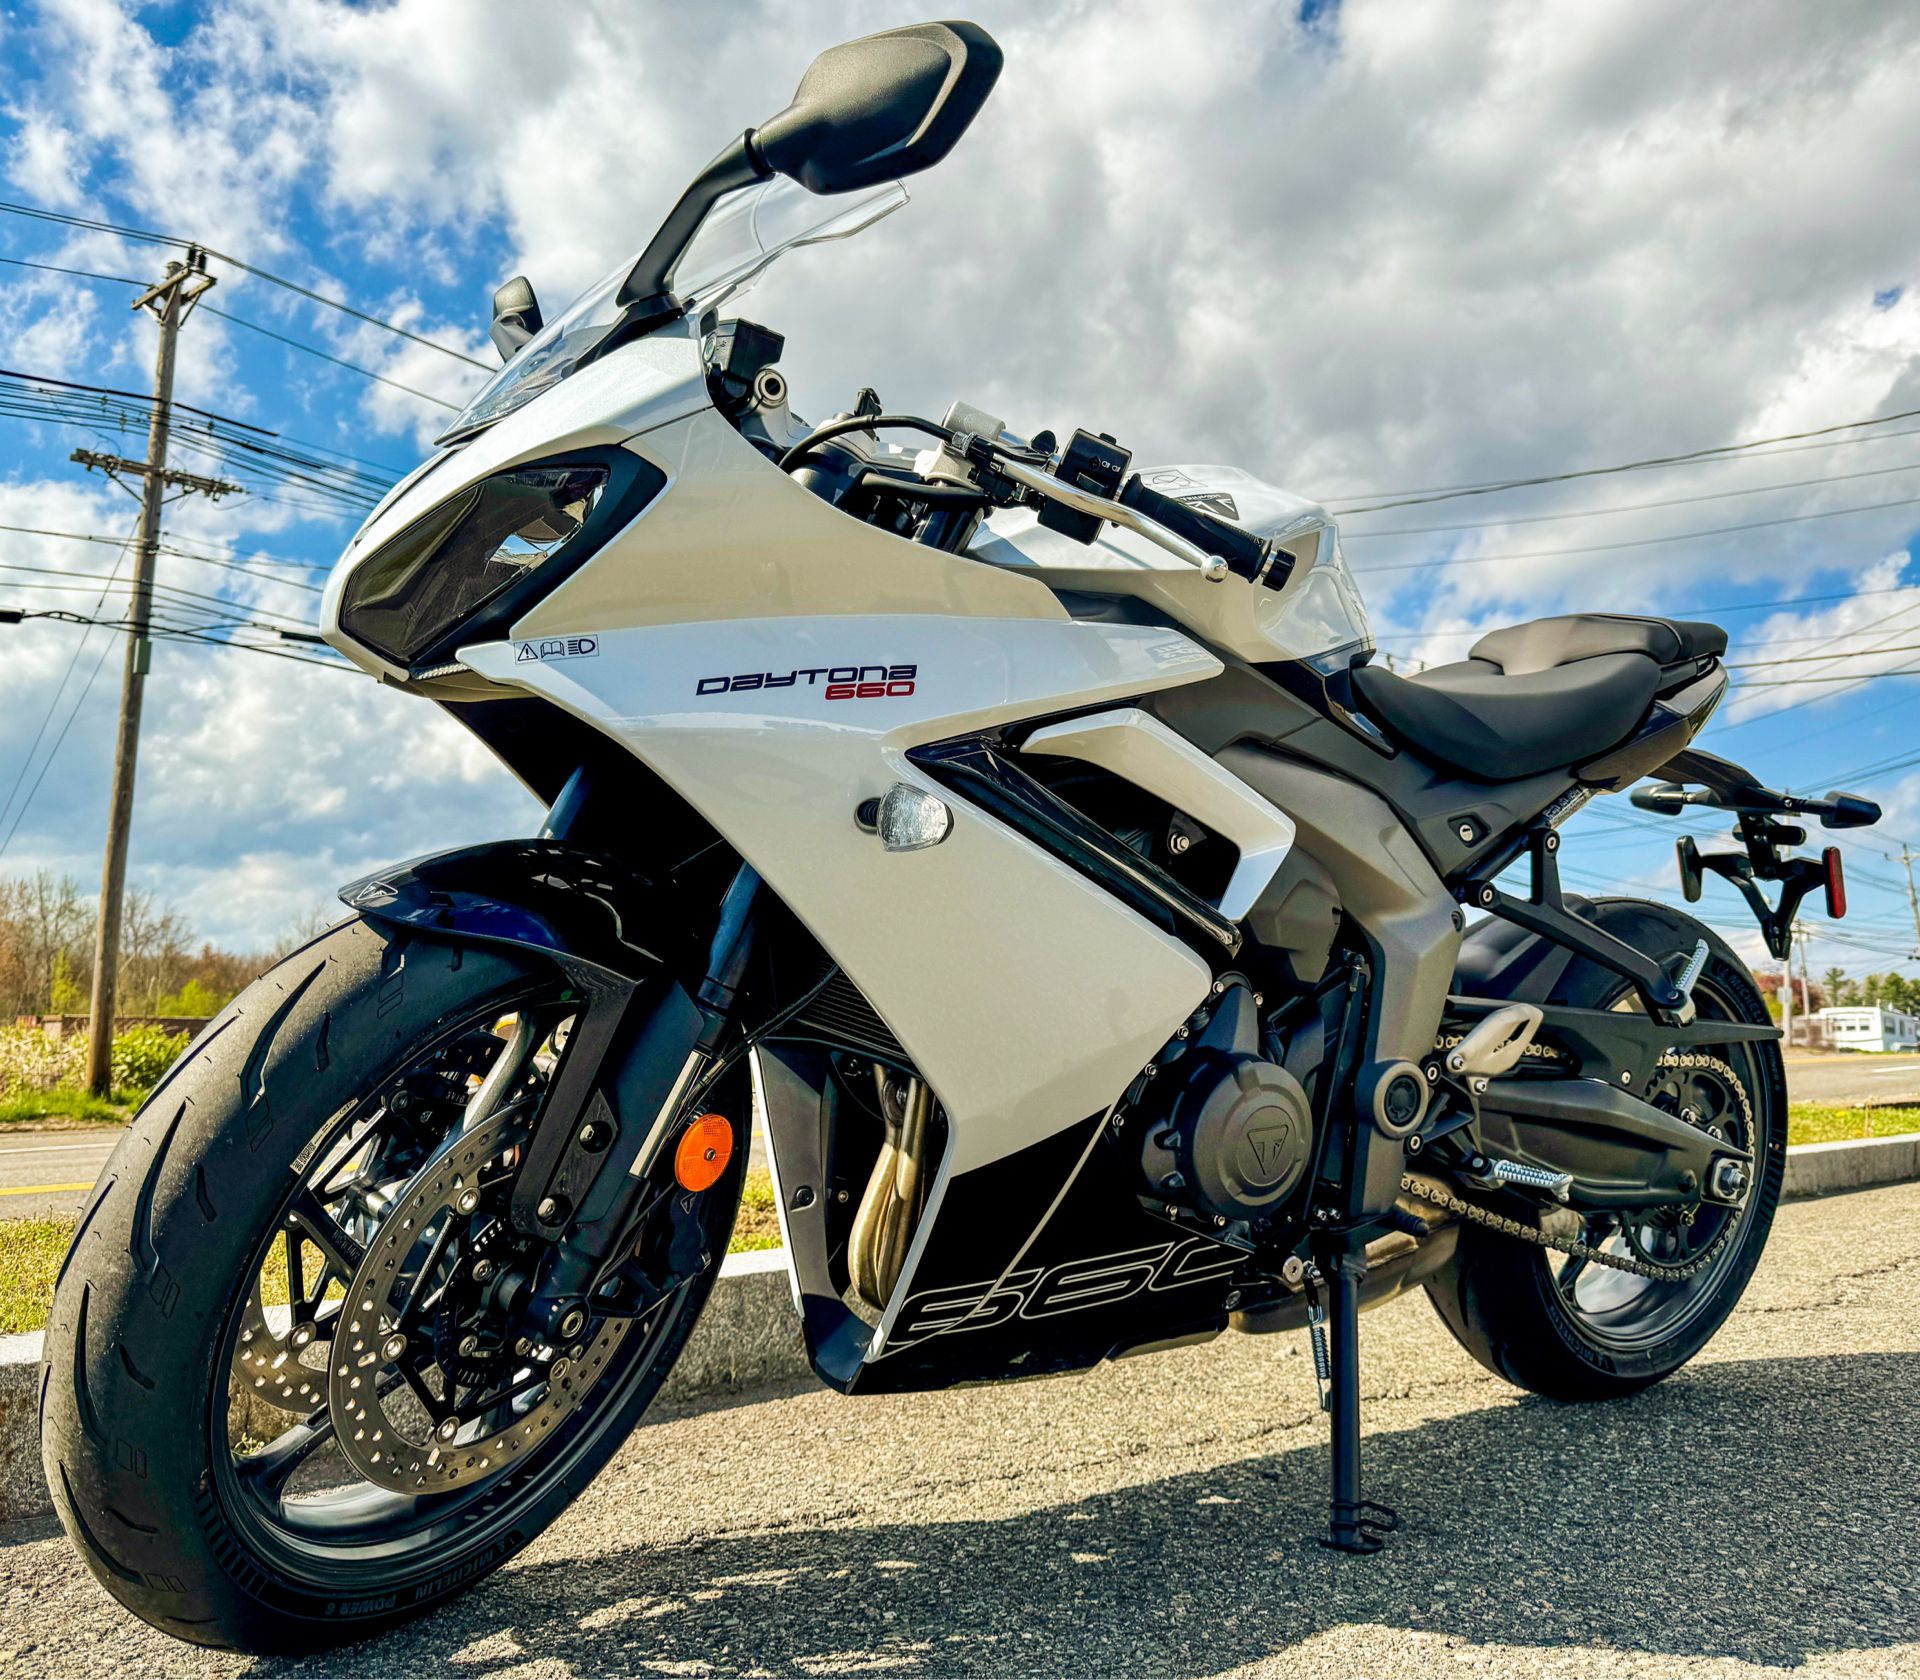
[1246, 555]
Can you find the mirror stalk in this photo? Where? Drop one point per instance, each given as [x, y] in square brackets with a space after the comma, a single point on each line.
[644, 291]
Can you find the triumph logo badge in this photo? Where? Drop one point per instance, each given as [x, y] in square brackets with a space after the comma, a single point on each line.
[556, 647]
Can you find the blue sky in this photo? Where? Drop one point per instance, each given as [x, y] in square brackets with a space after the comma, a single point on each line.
[1384, 249]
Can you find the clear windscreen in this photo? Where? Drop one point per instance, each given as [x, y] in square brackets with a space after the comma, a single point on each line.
[736, 242]
[747, 231]
[1319, 617]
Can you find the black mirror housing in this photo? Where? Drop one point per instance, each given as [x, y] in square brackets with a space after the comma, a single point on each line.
[516, 316]
[881, 107]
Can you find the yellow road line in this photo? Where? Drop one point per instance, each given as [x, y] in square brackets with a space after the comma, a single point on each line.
[47, 1189]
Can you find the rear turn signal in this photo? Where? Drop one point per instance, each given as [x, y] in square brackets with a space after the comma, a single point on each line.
[704, 1150]
[1836, 884]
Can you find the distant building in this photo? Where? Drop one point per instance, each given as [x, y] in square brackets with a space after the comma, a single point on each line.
[1874, 1027]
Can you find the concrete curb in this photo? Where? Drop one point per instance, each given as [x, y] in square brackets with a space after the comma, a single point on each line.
[1819, 1169]
[749, 1337]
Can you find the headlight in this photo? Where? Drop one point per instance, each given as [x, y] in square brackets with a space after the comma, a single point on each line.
[464, 571]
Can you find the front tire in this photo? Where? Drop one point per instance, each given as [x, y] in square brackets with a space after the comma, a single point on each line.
[144, 1341]
[1507, 1301]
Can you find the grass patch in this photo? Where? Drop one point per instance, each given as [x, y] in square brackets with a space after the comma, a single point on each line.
[1813, 1123]
[30, 1254]
[66, 1110]
[31, 1251]
[758, 1226]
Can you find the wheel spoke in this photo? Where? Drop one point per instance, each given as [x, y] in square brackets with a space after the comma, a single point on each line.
[437, 1409]
[268, 1471]
[344, 1253]
[1569, 1278]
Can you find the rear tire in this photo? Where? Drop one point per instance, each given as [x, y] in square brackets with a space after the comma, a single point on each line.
[135, 1390]
[1501, 1297]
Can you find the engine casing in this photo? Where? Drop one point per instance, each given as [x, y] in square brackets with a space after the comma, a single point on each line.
[1227, 1131]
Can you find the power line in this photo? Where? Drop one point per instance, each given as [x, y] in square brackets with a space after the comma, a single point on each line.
[252, 326]
[76, 273]
[1487, 488]
[1637, 542]
[53, 706]
[338, 361]
[93, 225]
[40, 389]
[1714, 607]
[1856, 677]
[1629, 507]
[173, 589]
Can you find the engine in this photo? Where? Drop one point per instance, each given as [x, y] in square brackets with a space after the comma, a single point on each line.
[1227, 1132]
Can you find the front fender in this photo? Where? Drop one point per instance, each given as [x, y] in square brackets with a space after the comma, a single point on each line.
[575, 906]
[614, 935]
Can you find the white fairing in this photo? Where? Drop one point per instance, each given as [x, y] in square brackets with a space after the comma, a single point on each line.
[1024, 993]
[774, 660]
[1139, 748]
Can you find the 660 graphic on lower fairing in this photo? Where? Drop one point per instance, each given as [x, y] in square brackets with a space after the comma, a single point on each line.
[1097, 962]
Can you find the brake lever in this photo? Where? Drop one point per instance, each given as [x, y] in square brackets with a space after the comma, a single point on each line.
[1213, 568]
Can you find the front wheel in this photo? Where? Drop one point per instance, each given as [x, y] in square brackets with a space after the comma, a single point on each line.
[1575, 1329]
[288, 1402]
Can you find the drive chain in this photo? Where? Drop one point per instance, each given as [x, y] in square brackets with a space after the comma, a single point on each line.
[1440, 1196]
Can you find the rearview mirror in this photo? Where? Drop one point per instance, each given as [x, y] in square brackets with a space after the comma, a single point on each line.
[516, 316]
[881, 107]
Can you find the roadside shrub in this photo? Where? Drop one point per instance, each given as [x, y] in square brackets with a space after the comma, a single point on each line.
[33, 1060]
[142, 1054]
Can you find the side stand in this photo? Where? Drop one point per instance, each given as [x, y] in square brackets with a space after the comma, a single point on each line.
[1353, 1524]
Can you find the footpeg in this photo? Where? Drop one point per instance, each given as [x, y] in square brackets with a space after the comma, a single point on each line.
[1496, 1043]
[1558, 1185]
[1322, 1360]
[1683, 982]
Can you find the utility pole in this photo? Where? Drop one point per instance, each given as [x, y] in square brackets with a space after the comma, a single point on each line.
[1913, 900]
[1806, 985]
[171, 301]
[1786, 997]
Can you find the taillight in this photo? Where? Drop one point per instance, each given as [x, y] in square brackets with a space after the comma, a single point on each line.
[1836, 885]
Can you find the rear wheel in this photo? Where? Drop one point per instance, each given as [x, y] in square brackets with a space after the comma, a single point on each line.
[1575, 1329]
[288, 1401]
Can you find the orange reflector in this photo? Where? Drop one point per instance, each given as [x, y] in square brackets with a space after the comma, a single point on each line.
[705, 1149]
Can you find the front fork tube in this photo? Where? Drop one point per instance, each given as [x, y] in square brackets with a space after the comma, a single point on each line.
[601, 1180]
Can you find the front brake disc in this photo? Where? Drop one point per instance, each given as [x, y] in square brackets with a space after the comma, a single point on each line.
[268, 1363]
[400, 1418]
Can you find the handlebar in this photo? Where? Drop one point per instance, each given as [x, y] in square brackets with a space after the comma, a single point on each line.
[1212, 567]
[1213, 547]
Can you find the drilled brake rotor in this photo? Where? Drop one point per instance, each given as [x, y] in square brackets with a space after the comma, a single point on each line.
[402, 1419]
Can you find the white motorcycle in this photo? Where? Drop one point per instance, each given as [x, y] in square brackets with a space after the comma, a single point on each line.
[1026, 841]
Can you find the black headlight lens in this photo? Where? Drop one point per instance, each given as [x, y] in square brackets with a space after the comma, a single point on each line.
[406, 599]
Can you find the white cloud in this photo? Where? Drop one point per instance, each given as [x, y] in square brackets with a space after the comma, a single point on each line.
[1458, 241]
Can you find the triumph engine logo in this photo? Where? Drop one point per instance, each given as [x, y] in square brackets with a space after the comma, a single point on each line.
[842, 682]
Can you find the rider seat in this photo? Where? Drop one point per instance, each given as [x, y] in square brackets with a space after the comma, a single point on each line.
[1536, 696]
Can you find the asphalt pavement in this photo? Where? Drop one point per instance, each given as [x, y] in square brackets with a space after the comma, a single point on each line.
[1842, 1079]
[1753, 1515]
[51, 1172]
